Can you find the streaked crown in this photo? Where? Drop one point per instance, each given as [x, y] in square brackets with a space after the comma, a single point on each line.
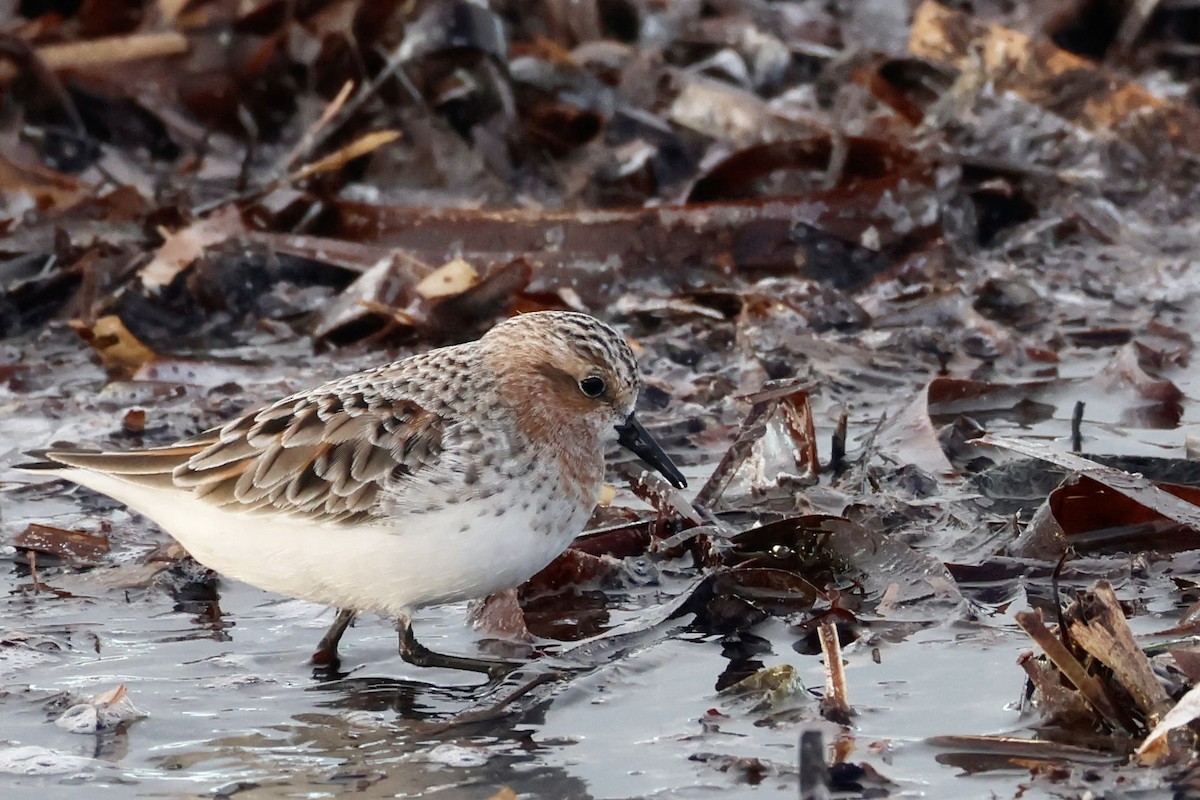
[553, 351]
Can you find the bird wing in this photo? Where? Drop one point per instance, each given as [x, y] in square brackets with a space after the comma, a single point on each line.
[322, 457]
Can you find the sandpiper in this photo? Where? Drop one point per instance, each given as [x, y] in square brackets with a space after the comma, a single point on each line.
[441, 477]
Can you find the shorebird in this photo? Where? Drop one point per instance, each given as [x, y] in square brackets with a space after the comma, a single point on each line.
[449, 475]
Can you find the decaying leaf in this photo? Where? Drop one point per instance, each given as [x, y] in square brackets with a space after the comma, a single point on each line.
[100, 712]
[121, 353]
[1104, 506]
[75, 547]
[1155, 748]
[184, 246]
[767, 689]
[453, 277]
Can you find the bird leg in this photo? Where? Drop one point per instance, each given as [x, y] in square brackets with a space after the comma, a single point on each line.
[327, 648]
[419, 655]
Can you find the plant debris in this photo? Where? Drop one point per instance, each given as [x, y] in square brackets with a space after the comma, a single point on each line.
[912, 289]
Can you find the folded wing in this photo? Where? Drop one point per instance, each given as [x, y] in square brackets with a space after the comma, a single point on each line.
[323, 458]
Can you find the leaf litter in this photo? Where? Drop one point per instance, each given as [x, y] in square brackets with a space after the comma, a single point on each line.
[912, 294]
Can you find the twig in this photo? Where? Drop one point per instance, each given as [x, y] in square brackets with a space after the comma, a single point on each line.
[1076, 424]
[365, 144]
[308, 141]
[351, 107]
[108, 50]
[33, 573]
[1139, 13]
[750, 432]
[31, 61]
[835, 705]
[837, 451]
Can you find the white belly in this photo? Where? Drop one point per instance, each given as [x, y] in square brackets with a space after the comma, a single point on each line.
[458, 552]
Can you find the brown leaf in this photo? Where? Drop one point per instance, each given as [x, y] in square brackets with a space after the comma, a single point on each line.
[185, 245]
[121, 353]
[572, 568]
[73, 546]
[1069, 85]
[1104, 506]
[499, 616]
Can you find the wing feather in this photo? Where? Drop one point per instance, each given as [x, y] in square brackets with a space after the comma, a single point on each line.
[320, 457]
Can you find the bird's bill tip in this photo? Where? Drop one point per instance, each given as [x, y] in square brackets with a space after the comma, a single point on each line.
[633, 436]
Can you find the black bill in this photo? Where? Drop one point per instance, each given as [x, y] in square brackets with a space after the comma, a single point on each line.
[633, 436]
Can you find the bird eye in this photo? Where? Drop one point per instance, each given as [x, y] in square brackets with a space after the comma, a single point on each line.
[592, 386]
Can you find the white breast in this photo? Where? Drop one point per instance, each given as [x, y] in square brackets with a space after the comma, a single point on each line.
[459, 551]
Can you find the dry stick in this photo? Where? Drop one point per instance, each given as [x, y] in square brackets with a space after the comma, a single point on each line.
[1092, 691]
[303, 147]
[837, 453]
[1076, 423]
[351, 107]
[285, 171]
[109, 50]
[367, 143]
[308, 140]
[835, 706]
[363, 145]
[1107, 637]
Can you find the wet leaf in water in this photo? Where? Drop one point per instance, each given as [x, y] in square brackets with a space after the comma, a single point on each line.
[910, 438]
[767, 689]
[499, 616]
[1089, 503]
[100, 712]
[1184, 712]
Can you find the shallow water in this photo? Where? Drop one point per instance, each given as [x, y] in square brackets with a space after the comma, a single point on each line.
[233, 708]
[242, 705]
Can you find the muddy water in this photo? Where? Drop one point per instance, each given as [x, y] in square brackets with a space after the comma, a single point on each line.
[232, 708]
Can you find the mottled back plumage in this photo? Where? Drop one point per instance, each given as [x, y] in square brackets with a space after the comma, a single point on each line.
[354, 449]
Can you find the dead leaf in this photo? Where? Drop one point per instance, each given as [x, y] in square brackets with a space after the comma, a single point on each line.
[1162, 509]
[121, 353]
[453, 277]
[73, 546]
[185, 245]
[1154, 749]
